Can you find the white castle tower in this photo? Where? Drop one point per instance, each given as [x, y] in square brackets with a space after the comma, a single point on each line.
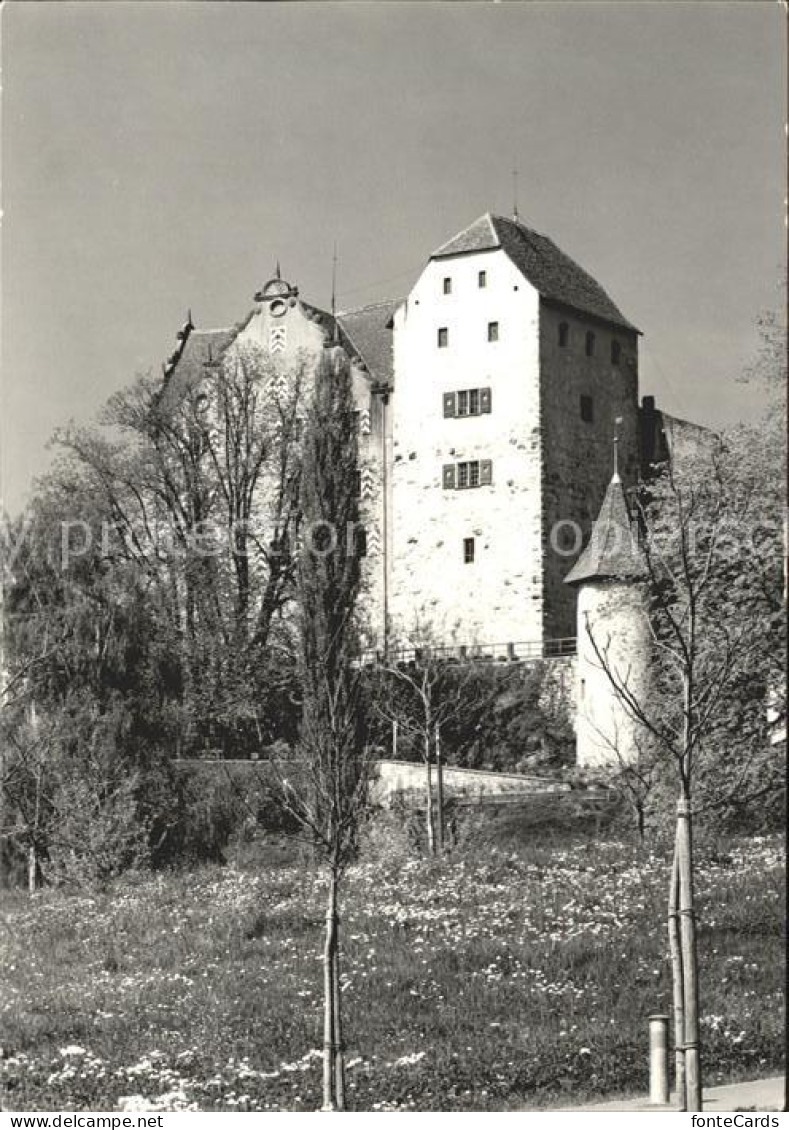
[613, 635]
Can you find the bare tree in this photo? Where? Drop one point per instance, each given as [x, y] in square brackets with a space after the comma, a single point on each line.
[423, 689]
[704, 643]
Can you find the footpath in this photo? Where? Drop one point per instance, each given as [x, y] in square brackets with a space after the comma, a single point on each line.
[761, 1094]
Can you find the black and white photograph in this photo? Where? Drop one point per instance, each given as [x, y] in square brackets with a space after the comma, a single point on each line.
[393, 441]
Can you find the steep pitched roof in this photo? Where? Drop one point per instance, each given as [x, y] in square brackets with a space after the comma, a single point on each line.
[201, 346]
[556, 276]
[368, 333]
[612, 552]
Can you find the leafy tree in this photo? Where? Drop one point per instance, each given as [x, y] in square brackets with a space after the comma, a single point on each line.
[326, 787]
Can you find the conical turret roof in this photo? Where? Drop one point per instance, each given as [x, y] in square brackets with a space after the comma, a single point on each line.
[613, 552]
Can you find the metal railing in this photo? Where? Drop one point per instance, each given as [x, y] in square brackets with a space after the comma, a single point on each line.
[522, 651]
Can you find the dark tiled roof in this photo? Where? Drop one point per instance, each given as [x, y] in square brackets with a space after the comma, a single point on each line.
[555, 275]
[369, 336]
[201, 346]
[479, 236]
[612, 552]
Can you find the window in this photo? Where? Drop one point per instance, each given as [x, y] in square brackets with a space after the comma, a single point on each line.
[447, 286]
[468, 551]
[616, 352]
[360, 540]
[462, 476]
[443, 337]
[468, 402]
[564, 334]
[482, 280]
[493, 331]
[589, 344]
[587, 409]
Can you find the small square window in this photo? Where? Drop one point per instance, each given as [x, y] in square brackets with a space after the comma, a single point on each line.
[616, 352]
[443, 337]
[564, 334]
[447, 286]
[590, 344]
[482, 280]
[462, 404]
[493, 331]
[587, 409]
[468, 551]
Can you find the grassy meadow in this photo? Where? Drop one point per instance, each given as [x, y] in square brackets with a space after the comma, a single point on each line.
[500, 977]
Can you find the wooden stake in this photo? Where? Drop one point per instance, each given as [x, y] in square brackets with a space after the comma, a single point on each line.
[690, 983]
[676, 980]
[439, 791]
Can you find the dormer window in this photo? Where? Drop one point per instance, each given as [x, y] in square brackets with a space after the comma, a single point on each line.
[589, 344]
[447, 286]
[564, 334]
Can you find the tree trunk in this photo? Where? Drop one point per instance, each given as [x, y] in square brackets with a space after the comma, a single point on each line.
[439, 792]
[690, 982]
[33, 869]
[676, 979]
[431, 831]
[641, 819]
[329, 998]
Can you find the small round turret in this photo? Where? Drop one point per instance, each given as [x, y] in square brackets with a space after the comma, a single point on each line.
[613, 636]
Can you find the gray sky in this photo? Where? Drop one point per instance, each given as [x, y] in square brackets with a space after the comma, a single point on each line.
[158, 156]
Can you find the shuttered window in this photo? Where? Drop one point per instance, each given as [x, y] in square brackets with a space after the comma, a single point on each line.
[468, 402]
[466, 475]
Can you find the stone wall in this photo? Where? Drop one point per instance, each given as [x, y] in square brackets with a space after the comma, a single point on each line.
[395, 777]
[605, 731]
[577, 455]
[498, 597]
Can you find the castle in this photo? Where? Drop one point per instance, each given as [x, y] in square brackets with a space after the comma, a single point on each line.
[487, 401]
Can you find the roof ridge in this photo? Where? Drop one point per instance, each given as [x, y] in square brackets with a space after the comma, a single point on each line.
[486, 216]
[369, 306]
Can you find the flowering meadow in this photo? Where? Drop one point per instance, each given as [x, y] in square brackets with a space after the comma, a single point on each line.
[490, 980]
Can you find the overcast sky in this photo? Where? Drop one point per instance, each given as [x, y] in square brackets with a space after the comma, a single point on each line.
[159, 156]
